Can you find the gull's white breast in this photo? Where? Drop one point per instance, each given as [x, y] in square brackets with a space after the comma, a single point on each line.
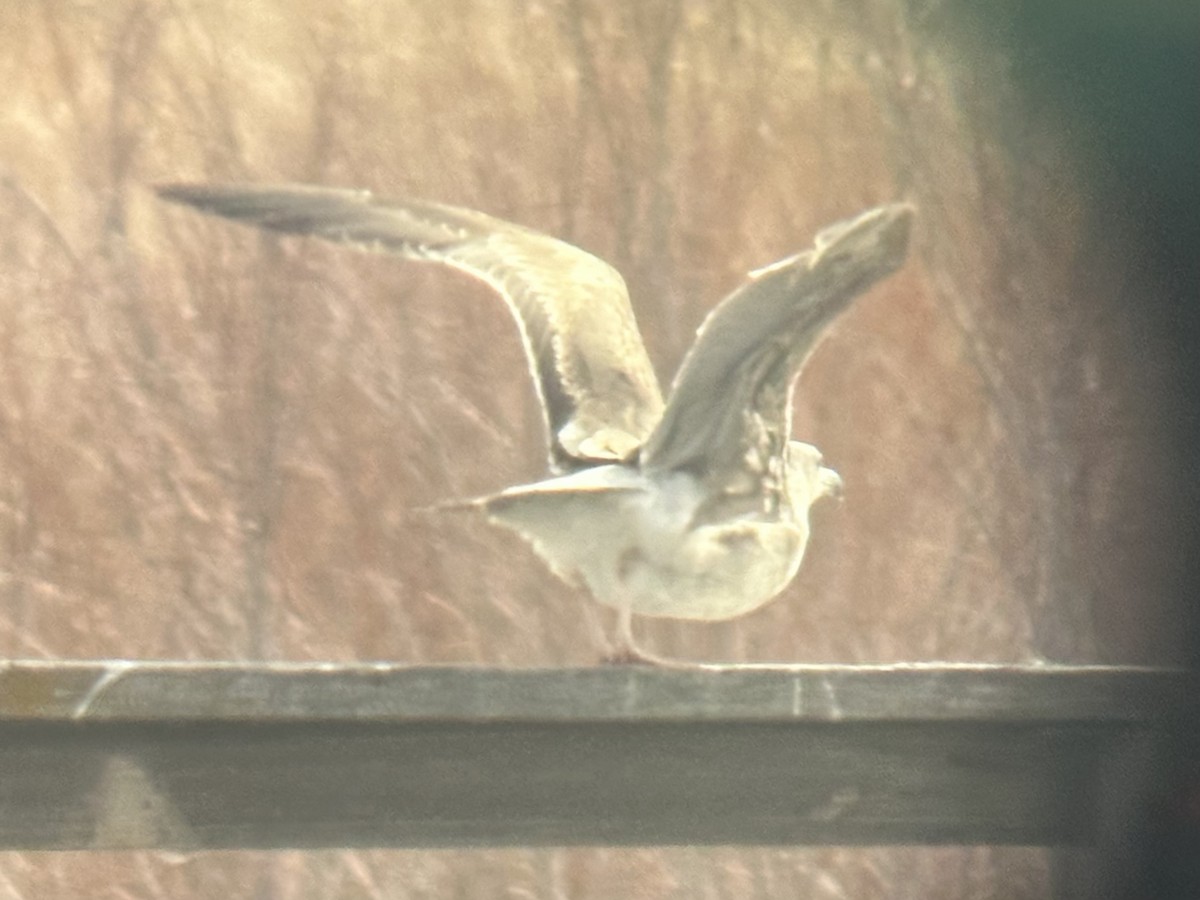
[632, 539]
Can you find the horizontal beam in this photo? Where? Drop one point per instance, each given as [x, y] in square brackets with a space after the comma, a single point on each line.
[180, 755]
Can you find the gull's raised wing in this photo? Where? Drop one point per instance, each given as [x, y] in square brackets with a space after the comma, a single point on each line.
[728, 415]
[598, 389]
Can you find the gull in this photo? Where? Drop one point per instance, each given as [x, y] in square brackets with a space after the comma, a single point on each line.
[693, 509]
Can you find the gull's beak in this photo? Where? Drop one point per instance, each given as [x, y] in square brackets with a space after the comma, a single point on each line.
[830, 484]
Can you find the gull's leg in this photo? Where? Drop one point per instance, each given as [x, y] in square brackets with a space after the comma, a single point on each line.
[625, 650]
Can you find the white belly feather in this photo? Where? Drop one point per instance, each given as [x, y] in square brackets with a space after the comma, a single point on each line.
[633, 544]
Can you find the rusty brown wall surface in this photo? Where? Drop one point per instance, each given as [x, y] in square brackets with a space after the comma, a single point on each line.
[215, 445]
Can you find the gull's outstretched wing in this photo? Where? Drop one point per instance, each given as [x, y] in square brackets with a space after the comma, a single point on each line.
[728, 415]
[597, 386]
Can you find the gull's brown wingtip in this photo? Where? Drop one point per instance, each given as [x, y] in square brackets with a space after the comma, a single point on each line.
[897, 217]
[903, 215]
[187, 193]
[172, 189]
[905, 212]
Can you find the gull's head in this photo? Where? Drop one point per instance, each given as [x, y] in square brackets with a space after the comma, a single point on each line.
[808, 480]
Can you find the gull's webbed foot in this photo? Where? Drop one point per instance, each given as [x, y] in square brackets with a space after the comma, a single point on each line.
[625, 651]
[632, 656]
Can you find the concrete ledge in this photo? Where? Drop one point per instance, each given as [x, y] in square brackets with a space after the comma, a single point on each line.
[179, 755]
